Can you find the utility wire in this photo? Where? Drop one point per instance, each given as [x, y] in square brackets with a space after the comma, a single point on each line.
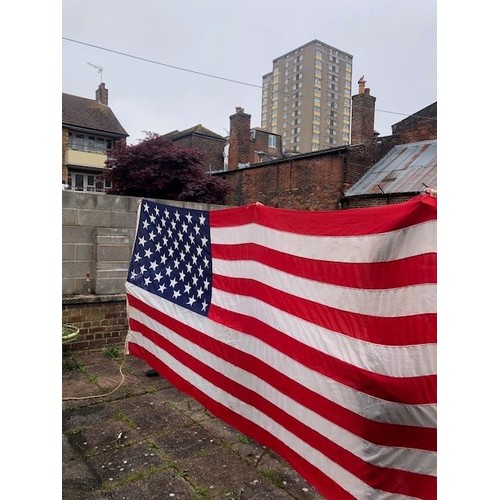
[152, 61]
[161, 63]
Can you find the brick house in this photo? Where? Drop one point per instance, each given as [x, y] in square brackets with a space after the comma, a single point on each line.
[317, 180]
[248, 145]
[202, 139]
[89, 130]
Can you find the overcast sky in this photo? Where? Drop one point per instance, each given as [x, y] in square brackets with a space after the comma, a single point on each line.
[393, 44]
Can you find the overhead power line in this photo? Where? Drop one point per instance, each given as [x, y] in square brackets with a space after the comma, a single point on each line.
[161, 63]
[209, 75]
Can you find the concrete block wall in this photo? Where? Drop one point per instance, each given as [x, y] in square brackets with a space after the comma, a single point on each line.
[97, 237]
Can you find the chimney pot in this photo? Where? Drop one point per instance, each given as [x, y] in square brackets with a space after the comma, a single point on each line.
[361, 85]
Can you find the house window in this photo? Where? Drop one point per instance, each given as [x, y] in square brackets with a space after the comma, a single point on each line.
[79, 181]
[89, 143]
[271, 141]
[100, 145]
[78, 142]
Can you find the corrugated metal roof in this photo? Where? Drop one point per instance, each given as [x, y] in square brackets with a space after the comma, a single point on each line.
[407, 168]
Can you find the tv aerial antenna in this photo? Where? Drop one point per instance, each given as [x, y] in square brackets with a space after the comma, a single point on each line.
[98, 68]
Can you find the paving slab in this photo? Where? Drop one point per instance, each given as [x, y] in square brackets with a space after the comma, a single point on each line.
[128, 436]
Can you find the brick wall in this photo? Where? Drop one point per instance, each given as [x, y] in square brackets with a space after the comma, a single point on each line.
[421, 126]
[102, 321]
[374, 200]
[309, 183]
[212, 148]
[260, 142]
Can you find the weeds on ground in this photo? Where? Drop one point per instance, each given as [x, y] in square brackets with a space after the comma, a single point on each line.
[201, 491]
[152, 446]
[71, 363]
[121, 416]
[111, 352]
[234, 496]
[243, 439]
[132, 477]
[272, 476]
[180, 473]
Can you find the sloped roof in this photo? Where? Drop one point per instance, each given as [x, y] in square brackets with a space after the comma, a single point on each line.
[89, 114]
[407, 168]
[197, 129]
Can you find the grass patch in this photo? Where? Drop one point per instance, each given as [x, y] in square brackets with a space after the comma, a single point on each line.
[243, 439]
[70, 362]
[120, 416]
[201, 491]
[152, 446]
[272, 476]
[111, 352]
[233, 496]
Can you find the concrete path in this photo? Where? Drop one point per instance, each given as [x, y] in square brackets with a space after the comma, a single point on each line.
[141, 438]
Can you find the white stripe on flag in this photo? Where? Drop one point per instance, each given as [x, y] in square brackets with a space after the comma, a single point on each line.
[393, 302]
[399, 244]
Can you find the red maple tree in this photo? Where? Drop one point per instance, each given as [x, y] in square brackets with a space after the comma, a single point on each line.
[157, 168]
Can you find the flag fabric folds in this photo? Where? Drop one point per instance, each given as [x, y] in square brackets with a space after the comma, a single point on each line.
[313, 333]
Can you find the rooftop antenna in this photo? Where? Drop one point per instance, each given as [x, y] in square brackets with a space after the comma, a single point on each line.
[98, 68]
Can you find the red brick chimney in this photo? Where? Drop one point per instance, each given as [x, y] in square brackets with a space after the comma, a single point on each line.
[363, 115]
[101, 94]
[239, 139]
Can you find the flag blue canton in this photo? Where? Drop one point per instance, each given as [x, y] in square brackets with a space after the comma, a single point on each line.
[172, 257]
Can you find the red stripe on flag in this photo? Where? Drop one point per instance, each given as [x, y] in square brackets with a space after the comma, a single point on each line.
[368, 275]
[359, 221]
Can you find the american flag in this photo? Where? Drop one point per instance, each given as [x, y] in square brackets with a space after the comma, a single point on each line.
[313, 333]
